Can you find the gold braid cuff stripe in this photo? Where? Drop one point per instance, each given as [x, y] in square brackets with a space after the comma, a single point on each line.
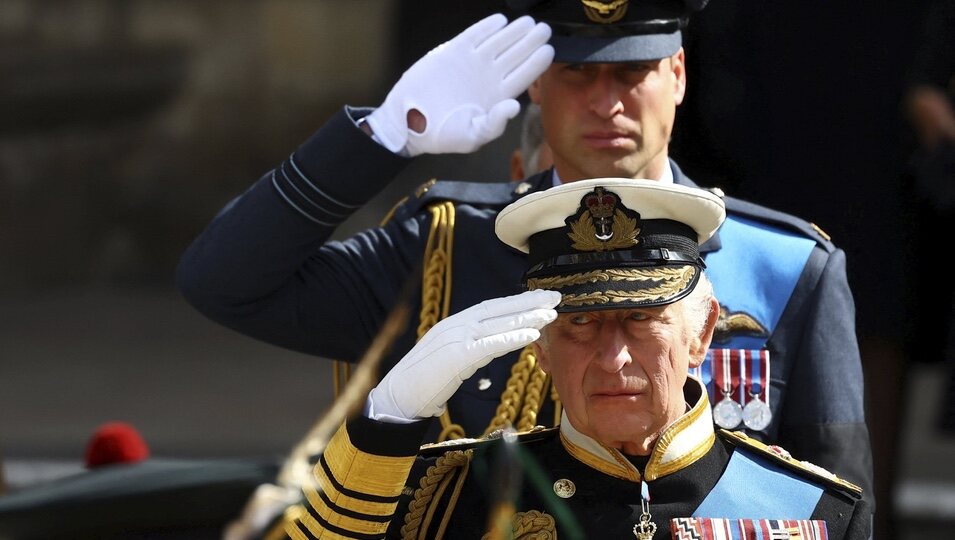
[676, 276]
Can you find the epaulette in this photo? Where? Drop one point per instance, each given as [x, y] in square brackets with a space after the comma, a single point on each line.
[782, 457]
[488, 194]
[530, 436]
[779, 219]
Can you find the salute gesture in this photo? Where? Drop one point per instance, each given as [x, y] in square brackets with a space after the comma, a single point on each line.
[465, 88]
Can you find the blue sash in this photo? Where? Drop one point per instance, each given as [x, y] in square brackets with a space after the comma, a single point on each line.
[754, 488]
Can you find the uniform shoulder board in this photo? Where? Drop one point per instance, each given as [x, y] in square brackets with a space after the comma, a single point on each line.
[780, 456]
[779, 219]
[530, 436]
[490, 194]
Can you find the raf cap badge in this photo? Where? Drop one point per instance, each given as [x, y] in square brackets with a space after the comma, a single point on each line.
[605, 12]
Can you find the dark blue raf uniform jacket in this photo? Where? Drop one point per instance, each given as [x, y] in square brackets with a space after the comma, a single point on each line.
[265, 267]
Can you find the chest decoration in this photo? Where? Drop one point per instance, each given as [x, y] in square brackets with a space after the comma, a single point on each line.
[737, 381]
[747, 529]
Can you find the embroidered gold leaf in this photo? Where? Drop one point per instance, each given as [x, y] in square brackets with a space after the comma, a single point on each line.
[680, 275]
[674, 281]
[584, 233]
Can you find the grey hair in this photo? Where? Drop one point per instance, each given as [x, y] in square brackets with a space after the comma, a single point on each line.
[697, 305]
[532, 136]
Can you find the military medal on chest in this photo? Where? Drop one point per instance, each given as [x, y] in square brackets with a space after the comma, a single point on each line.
[756, 414]
[644, 529]
[728, 413]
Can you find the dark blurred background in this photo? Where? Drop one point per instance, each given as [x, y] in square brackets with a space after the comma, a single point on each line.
[126, 124]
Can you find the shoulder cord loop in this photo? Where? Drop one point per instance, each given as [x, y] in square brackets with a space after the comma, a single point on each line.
[531, 525]
[431, 488]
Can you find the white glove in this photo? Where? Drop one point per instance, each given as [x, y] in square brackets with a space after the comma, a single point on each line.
[424, 380]
[465, 88]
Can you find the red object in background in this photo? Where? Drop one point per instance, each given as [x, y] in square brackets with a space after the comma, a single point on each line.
[115, 442]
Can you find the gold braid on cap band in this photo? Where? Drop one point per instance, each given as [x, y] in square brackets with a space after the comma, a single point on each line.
[675, 279]
[674, 276]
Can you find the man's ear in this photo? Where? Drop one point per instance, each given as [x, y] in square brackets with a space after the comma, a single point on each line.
[678, 68]
[543, 362]
[700, 344]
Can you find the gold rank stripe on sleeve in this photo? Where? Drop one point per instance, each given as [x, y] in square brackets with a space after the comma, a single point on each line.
[355, 493]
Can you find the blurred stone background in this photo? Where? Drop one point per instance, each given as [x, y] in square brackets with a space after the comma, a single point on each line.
[126, 124]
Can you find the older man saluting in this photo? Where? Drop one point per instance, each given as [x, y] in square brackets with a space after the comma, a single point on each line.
[619, 310]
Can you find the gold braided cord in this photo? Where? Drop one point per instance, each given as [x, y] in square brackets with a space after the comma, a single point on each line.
[668, 274]
[514, 391]
[436, 288]
[533, 399]
[531, 525]
[419, 515]
[450, 430]
[433, 278]
[453, 500]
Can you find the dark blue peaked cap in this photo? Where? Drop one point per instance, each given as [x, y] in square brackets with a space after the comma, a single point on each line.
[611, 30]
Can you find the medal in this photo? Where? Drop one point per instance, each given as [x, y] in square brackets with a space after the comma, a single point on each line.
[644, 529]
[756, 414]
[728, 413]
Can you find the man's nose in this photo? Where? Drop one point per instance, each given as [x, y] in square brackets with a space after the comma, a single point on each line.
[604, 96]
[614, 353]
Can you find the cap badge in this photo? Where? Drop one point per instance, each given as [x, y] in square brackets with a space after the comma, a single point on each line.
[605, 12]
[603, 223]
